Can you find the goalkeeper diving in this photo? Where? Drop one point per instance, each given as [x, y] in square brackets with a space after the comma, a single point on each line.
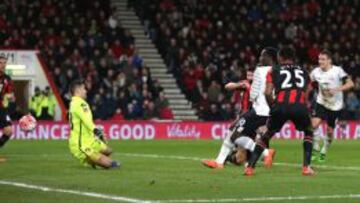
[86, 142]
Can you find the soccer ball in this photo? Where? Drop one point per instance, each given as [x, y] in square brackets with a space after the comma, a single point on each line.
[27, 123]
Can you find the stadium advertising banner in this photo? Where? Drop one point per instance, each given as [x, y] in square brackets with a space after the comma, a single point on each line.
[145, 130]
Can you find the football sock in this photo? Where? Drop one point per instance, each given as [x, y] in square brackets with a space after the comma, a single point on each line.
[265, 152]
[316, 140]
[308, 146]
[4, 139]
[115, 164]
[327, 143]
[255, 155]
[226, 149]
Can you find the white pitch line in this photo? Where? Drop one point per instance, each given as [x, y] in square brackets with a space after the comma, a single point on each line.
[74, 192]
[261, 199]
[132, 200]
[156, 156]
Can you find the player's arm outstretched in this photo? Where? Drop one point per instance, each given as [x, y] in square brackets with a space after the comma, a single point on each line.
[235, 86]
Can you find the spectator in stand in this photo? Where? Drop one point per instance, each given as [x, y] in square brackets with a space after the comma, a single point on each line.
[89, 43]
[46, 106]
[214, 91]
[203, 106]
[35, 100]
[166, 113]
[215, 35]
[201, 41]
[157, 89]
[118, 115]
[352, 105]
[150, 111]
[214, 114]
[161, 101]
[227, 112]
[130, 112]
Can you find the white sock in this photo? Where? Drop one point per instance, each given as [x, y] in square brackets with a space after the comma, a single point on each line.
[316, 140]
[226, 148]
[325, 146]
[265, 152]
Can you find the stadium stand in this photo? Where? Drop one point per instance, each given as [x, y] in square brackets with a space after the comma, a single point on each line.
[205, 43]
[215, 41]
[98, 50]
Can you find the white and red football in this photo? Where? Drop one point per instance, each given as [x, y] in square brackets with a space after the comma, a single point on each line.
[27, 123]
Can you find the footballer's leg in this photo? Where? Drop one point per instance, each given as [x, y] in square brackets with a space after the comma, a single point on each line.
[327, 142]
[302, 122]
[245, 138]
[275, 123]
[94, 157]
[316, 121]
[308, 147]
[245, 125]
[245, 133]
[107, 151]
[227, 147]
[5, 124]
[102, 161]
[225, 150]
[260, 146]
[7, 133]
[100, 147]
[246, 141]
[331, 122]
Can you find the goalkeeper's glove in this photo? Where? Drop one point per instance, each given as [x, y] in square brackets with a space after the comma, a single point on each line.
[99, 133]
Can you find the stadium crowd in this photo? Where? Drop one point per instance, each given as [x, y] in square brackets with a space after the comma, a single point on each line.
[82, 39]
[205, 43]
[217, 41]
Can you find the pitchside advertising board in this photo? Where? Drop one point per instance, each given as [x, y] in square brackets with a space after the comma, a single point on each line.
[145, 130]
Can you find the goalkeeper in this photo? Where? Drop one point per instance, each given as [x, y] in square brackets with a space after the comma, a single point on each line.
[86, 142]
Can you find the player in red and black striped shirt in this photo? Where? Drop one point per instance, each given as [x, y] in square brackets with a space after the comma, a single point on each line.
[289, 82]
[6, 92]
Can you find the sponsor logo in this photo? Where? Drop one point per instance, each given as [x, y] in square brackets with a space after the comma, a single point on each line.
[219, 131]
[186, 130]
[136, 132]
[183, 131]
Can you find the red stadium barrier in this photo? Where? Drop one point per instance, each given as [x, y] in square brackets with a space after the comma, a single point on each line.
[150, 130]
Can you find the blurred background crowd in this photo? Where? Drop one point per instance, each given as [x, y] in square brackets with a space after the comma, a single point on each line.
[217, 41]
[205, 44]
[82, 39]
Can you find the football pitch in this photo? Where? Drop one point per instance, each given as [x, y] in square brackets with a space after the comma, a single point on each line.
[171, 171]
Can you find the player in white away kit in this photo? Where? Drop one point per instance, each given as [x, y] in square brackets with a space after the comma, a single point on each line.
[331, 81]
[243, 133]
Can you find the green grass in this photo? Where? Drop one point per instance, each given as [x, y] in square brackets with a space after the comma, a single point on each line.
[48, 163]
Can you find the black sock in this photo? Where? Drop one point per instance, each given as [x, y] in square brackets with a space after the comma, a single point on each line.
[4, 139]
[308, 146]
[255, 155]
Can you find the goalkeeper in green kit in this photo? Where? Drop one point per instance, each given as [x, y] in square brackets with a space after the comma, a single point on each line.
[86, 142]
